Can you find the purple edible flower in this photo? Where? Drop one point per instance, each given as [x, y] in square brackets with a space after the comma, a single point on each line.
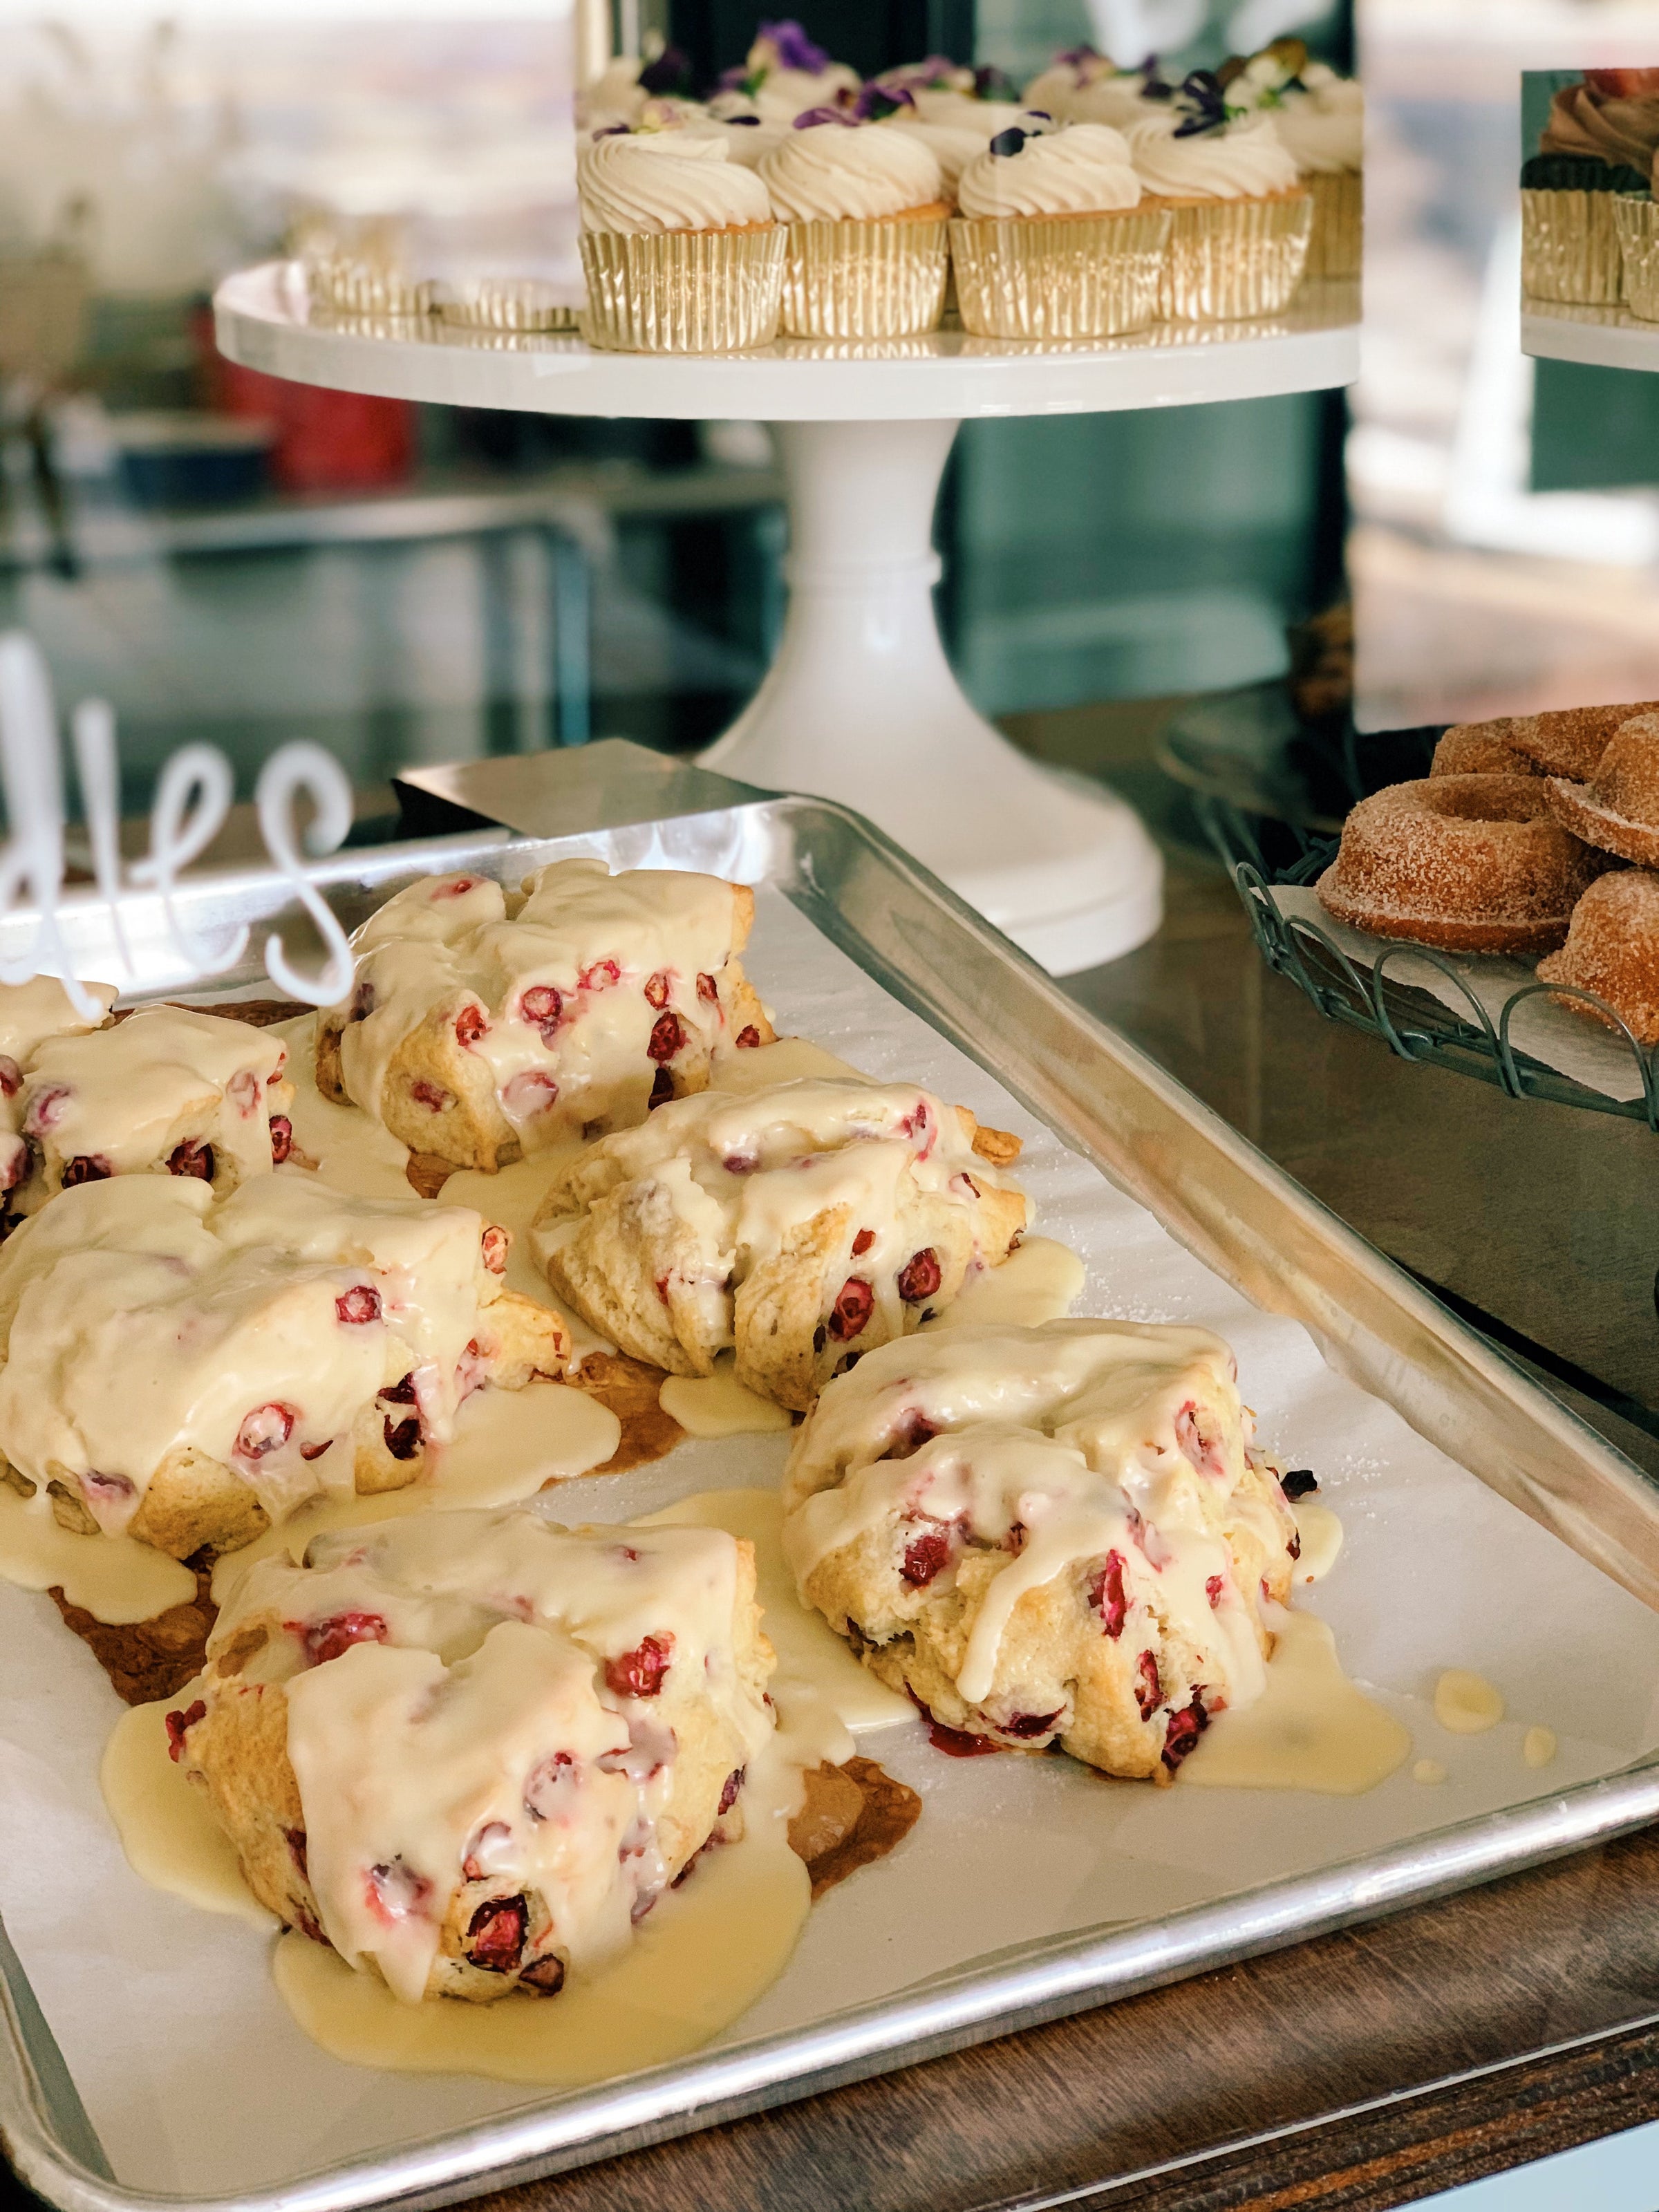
[876, 102]
[736, 79]
[1155, 85]
[1010, 141]
[809, 116]
[671, 73]
[992, 84]
[792, 48]
[1203, 102]
[614, 131]
[1078, 58]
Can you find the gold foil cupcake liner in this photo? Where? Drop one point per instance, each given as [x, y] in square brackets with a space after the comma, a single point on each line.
[1636, 223]
[1229, 259]
[507, 303]
[1336, 243]
[1059, 277]
[878, 279]
[355, 284]
[1570, 247]
[683, 291]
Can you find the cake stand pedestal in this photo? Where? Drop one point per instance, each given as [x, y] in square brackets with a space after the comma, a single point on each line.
[861, 704]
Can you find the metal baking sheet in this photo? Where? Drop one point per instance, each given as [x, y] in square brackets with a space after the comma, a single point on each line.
[1232, 1209]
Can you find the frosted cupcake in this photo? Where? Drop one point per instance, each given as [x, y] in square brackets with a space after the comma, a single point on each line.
[951, 146]
[1596, 149]
[867, 251]
[679, 245]
[1053, 239]
[750, 135]
[1241, 214]
[1083, 86]
[784, 74]
[1320, 116]
[949, 96]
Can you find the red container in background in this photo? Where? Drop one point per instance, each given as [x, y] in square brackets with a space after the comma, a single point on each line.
[325, 440]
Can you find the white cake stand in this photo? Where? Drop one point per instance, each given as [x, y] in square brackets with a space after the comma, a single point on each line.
[861, 704]
[1598, 338]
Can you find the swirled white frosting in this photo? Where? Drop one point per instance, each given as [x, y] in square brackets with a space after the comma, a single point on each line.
[661, 181]
[961, 111]
[1324, 127]
[832, 173]
[1091, 91]
[1245, 160]
[951, 149]
[748, 134]
[1083, 169]
[781, 94]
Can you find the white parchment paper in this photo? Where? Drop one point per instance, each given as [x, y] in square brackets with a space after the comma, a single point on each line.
[1573, 1044]
[197, 2081]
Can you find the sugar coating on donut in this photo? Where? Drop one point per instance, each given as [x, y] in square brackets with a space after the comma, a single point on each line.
[1567, 741]
[1480, 749]
[1613, 948]
[1472, 863]
[1618, 809]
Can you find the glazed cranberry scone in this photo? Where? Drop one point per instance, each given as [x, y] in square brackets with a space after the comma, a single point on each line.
[188, 1370]
[471, 1750]
[800, 1225]
[484, 1024]
[1060, 1535]
[169, 1091]
[30, 1014]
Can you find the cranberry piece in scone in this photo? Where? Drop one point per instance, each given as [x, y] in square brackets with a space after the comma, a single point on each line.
[86, 1167]
[920, 1277]
[470, 1025]
[541, 1007]
[177, 1723]
[855, 1302]
[667, 1037]
[326, 1639]
[361, 1303]
[656, 989]
[191, 1158]
[1107, 1595]
[927, 1556]
[282, 1139]
[496, 1934]
[266, 1429]
[639, 1673]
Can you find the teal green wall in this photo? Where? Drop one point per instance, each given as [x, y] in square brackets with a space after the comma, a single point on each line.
[1123, 555]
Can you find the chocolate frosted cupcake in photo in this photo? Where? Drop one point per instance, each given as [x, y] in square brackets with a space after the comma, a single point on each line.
[1241, 216]
[679, 245]
[1055, 238]
[1597, 147]
[867, 209]
[1320, 116]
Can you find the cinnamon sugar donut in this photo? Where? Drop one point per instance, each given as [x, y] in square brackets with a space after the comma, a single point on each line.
[1567, 741]
[1618, 810]
[1479, 749]
[1470, 863]
[1613, 948]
